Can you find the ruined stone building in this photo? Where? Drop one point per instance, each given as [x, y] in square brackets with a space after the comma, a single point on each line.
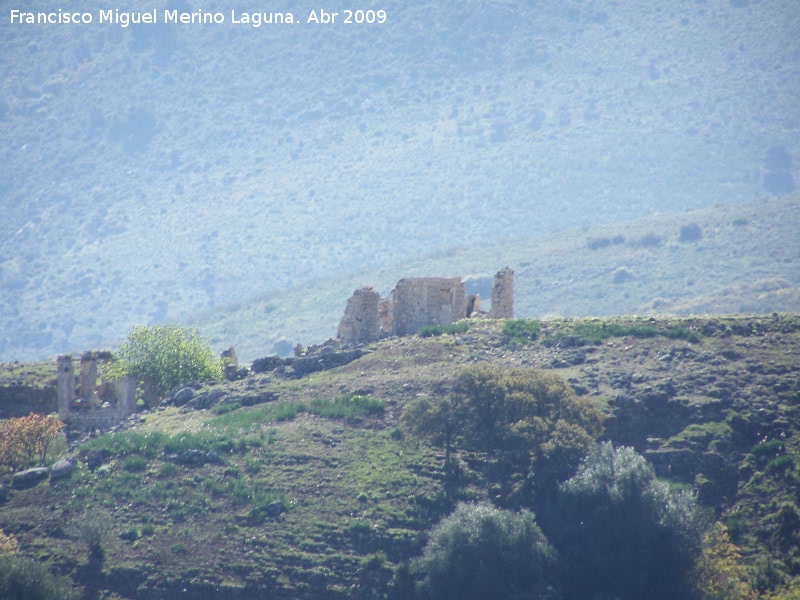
[417, 302]
[87, 405]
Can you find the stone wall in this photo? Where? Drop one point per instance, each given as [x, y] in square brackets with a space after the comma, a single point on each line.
[80, 406]
[417, 302]
[503, 295]
[427, 301]
[361, 321]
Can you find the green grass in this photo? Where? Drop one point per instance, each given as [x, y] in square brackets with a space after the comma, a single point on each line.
[344, 406]
[521, 331]
[347, 406]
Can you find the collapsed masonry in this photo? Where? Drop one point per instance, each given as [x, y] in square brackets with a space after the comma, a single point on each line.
[417, 302]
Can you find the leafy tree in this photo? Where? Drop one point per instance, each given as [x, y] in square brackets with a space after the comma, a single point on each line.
[527, 414]
[24, 440]
[719, 572]
[530, 421]
[482, 552]
[435, 418]
[627, 535]
[164, 357]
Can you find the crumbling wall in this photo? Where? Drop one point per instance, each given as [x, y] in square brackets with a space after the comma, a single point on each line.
[417, 302]
[84, 410]
[361, 321]
[427, 301]
[503, 295]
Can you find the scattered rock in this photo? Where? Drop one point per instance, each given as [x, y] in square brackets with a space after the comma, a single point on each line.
[62, 469]
[204, 400]
[29, 477]
[274, 509]
[183, 396]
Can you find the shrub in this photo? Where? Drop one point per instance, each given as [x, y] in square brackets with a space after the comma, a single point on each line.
[25, 579]
[91, 529]
[25, 440]
[135, 464]
[437, 330]
[719, 574]
[627, 534]
[691, 233]
[8, 543]
[521, 331]
[164, 357]
[649, 240]
[481, 552]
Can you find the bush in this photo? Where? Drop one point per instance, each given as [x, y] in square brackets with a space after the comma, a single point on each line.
[25, 579]
[719, 573]
[691, 233]
[437, 330]
[481, 552]
[25, 440]
[164, 357]
[8, 543]
[521, 331]
[627, 534]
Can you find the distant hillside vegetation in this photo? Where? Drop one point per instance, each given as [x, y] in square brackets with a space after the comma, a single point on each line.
[150, 172]
[742, 258]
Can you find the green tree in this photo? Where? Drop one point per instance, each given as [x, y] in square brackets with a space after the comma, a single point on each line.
[627, 535]
[481, 552]
[163, 357]
[435, 418]
[534, 423]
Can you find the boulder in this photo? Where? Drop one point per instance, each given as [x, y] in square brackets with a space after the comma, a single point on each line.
[183, 396]
[62, 469]
[29, 477]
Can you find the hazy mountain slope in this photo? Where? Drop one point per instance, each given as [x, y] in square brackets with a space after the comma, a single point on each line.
[152, 171]
[746, 260]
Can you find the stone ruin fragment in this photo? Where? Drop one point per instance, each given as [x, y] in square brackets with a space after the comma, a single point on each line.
[417, 302]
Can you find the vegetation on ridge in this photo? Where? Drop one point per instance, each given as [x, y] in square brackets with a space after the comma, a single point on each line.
[296, 503]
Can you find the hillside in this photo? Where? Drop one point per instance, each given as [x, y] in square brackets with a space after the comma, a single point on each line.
[710, 401]
[150, 172]
[745, 260]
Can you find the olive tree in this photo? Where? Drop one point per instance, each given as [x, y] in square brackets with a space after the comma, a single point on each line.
[483, 552]
[627, 534]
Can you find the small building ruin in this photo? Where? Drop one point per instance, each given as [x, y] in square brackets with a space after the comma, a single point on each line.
[82, 403]
[417, 302]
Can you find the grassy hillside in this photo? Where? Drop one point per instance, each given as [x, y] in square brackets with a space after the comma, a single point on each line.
[746, 259]
[150, 172]
[320, 492]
